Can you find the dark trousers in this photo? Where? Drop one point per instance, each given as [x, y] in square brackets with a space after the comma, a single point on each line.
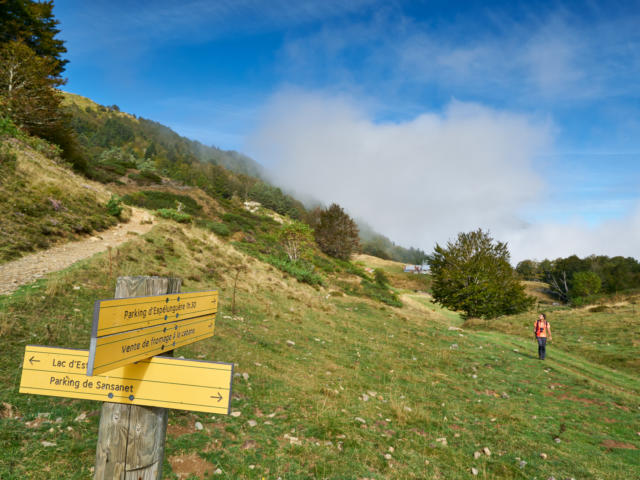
[542, 347]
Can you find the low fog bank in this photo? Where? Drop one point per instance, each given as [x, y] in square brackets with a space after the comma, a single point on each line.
[553, 240]
[424, 180]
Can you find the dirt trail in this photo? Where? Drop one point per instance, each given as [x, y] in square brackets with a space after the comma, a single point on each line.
[31, 267]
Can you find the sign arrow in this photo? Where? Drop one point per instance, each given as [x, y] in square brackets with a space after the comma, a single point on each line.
[195, 384]
[219, 397]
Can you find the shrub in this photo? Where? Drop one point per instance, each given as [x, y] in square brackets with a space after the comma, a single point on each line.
[323, 264]
[239, 222]
[380, 293]
[173, 214]
[7, 127]
[380, 277]
[145, 177]
[302, 271]
[216, 227]
[116, 160]
[155, 200]
[352, 268]
[114, 206]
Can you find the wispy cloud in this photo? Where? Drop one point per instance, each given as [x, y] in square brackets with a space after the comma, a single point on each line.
[145, 24]
[554, 56]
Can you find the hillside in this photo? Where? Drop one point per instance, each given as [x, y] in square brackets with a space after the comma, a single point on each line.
[101, 127]
[339, 375]
[328, 385]
[119, 148]
[43, 202]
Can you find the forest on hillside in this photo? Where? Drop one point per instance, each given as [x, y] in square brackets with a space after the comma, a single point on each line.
[577, 279]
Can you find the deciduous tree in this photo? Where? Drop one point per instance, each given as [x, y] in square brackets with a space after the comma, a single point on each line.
[28, 92]
[296, 238]
[473, 275]
[585, 284]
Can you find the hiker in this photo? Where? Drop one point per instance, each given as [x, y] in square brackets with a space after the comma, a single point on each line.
[542, 330]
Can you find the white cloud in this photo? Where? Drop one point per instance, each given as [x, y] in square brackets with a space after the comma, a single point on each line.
[553, 240]
[424, 180]
[418, 181]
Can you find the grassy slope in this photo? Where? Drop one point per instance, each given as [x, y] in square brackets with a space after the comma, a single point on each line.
[609, 335]
[425, 381]
[44, 203]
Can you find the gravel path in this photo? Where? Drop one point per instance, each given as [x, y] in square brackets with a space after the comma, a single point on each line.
[31, 267]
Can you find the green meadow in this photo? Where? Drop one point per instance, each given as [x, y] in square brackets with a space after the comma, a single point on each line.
[337, 386]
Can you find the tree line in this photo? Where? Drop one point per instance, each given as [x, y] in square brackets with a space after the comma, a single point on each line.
[572, 278]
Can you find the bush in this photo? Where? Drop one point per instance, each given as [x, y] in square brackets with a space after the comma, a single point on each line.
[323, 264]
[173, 214]
[116, 160]
[216, 227]
[380, 277]
[155, 200]
[114, 206]
[302, 271]
[7, 127]
[380, 293]
[371, 290]
[145, 177]
[239, 222]
[352, 268]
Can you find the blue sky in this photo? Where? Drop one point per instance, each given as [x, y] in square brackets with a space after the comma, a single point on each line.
[539, 104]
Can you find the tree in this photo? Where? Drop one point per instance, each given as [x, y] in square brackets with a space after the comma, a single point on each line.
[528, 269]
[336, 233]
[296, 238]
[33, 24]
[585, 284]
[27, 90]
[474, 275]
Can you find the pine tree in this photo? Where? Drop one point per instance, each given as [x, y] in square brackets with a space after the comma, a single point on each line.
[33, 24]
[336, 232]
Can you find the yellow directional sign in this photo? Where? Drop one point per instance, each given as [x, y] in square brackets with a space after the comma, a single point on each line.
[130, 329]
[123, 314]
[111, 351]
[159, 381]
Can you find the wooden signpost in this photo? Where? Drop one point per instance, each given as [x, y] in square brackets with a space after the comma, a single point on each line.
[148, 317]
[130, 329]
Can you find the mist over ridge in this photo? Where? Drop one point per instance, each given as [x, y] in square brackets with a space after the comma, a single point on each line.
[424, 180]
